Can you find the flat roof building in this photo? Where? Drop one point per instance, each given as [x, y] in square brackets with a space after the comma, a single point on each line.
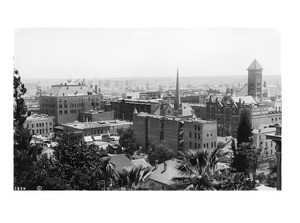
[39, 124]
[66, 101]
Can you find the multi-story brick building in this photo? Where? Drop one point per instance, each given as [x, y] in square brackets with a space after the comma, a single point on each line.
[94, 116]
[267, 145]
[124, 108]
[178, 133]
[227, 112]
[66, 101]
[39, 124]
[199, 110]
[200, 134]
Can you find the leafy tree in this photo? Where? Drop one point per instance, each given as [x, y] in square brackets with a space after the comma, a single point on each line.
[127, 140]
[246, 158]
[271, 180]
[25, 155]
[244, 131]
[233, 146]
[75, 167]
[227, 180]
[159, 151]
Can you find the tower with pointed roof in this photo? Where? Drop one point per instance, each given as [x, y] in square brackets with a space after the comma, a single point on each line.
[177, 94]
[255, 80]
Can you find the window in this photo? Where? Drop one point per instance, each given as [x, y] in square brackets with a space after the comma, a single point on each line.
[190, 134]
[33, 131]
[66, 105]
[195, 128]
[28, 126]
[32, 125]
[271, 143]
[212, 145]
[43, 124]
[266, 144]
[190, 144]
[198, 135]
[198, 127]
[207, 145]
[60, 106]
[195, 135]
[50, 123]
[66, 111]
[195, 145]
[215, 144]
[210, 134]
[204, 145]
[207, 135]
[60, 112]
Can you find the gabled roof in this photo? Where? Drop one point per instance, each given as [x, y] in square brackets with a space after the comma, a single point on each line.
[243, 91]
[141, 162]
[247, 99]
[165, 177]
[255, 66]
[121, 161]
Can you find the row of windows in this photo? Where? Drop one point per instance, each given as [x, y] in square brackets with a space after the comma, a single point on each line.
[40, 124]
[199, 135]
[276, 119]
[41, 131]
[48, 105]
[48, 111]
[95, 132]
[205, 145]
[72, 111]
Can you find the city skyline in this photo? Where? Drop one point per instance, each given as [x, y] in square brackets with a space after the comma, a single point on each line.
[126, 53]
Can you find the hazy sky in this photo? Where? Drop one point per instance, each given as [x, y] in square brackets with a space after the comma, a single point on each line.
[65, 53]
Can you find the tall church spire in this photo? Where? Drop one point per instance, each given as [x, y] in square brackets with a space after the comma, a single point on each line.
[177, 94]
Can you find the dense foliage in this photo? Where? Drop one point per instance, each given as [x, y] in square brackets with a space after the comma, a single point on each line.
[159, 152]
[75, 166]
[244, 131]
[198, 170]
[127, 140]
[25, 155]
[246, 158]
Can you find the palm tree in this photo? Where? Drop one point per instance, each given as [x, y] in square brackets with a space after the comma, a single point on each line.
[132, 178]
[196, 166]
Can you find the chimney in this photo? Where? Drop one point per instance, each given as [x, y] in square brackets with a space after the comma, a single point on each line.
[96, 89]
[165, 166]
[156, 164]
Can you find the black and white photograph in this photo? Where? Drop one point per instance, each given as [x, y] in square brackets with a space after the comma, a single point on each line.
[147, 109]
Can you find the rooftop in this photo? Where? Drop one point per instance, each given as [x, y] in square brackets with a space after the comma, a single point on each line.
[165, 177]
[121, 161]
[36, 117]
[246, 99]
[69, 90]
[264, 130]
[88, 125]
[255, 66]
